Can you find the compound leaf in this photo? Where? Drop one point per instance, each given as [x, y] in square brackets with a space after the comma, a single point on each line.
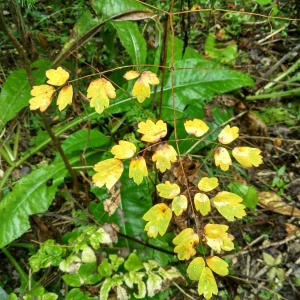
[218, 265]
[228, 134]
[124, 150]
[64, 97]
[202, 203]
[247, 156]
[57, 77]
[138, 169]
[222, 158]
[163, 156]
[196, 127]
[179, 204]
[208, 184]
[42, 97]
[152, 133]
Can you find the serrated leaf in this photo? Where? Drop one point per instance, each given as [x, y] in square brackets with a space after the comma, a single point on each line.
[116, 261]
[168, 190]
[207, 284]
[124, 150]
[154, 283]
[132, 278]
[65, 97]
[196, 127]
[159, 217]
[152, 132]
[43, 95]
[108, 173]
[185, 243]
[208, 184]
[105, 268]
[133, 263]
[69, 265]
[108, 284]
[222, 158]
[217, 237]
[179, 204]
[57, 77]
[228, 135]
[202, 203]
[196, 268]
[138, 169]
[218, 265]
[100, 90]
[228, 205]
[163, 156]
[247, 156]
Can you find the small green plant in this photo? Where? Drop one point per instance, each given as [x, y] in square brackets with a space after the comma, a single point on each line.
[280, 180]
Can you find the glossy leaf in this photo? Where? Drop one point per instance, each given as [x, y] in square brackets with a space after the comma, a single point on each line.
[202, 203]
[124, 150]
[138, 169]
[15, 92]
[179, 204]
[222, 158]
[208, 184]
[218, 265]
[228, 135]
[100, 90]
[196, 127]
[152, 132]
[185, 243]
[168, 190]
[57, 77]
[229, 205]
[65, 97]
[163, 156]
[108, 173]
[159, 217]
[247, 156]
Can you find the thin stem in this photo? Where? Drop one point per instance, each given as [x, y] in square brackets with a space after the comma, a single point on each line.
[273, 95]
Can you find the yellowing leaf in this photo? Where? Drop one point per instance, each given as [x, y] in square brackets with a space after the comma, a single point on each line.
[196, 127]
[168, 190]
[138, 169]
[207, 284]
[57, 77]
[99, 91]
[152, 132]
[124, 150]
[196, 268]
[228, 205]
[202, 203]
[141, 88]
[159, 217]
[179, 204]
[222, 158]
[186, 240]
[247, 156]
[217, 238]
[208, 184]
[131, 75]
[228, 134]
[108, 172]
[163, 156]
[42, 97]
[218, 265]
[64, 97]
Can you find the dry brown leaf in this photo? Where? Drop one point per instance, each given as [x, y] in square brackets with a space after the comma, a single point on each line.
[273, 202]
[291, 229]
[112, 203]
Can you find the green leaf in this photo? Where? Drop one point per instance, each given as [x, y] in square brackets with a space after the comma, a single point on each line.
[15, 92]
[105, 268]
[76, 294]
[224, 55]
[108, 284]
[132, 278]
[132, 40]
[116, 261]
[154, 283]
[248, 193]
[133, 263]
[30, 195]
[73, 280]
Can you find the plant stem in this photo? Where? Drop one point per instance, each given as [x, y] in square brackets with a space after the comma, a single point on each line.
[26, 65]
[276, 94]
